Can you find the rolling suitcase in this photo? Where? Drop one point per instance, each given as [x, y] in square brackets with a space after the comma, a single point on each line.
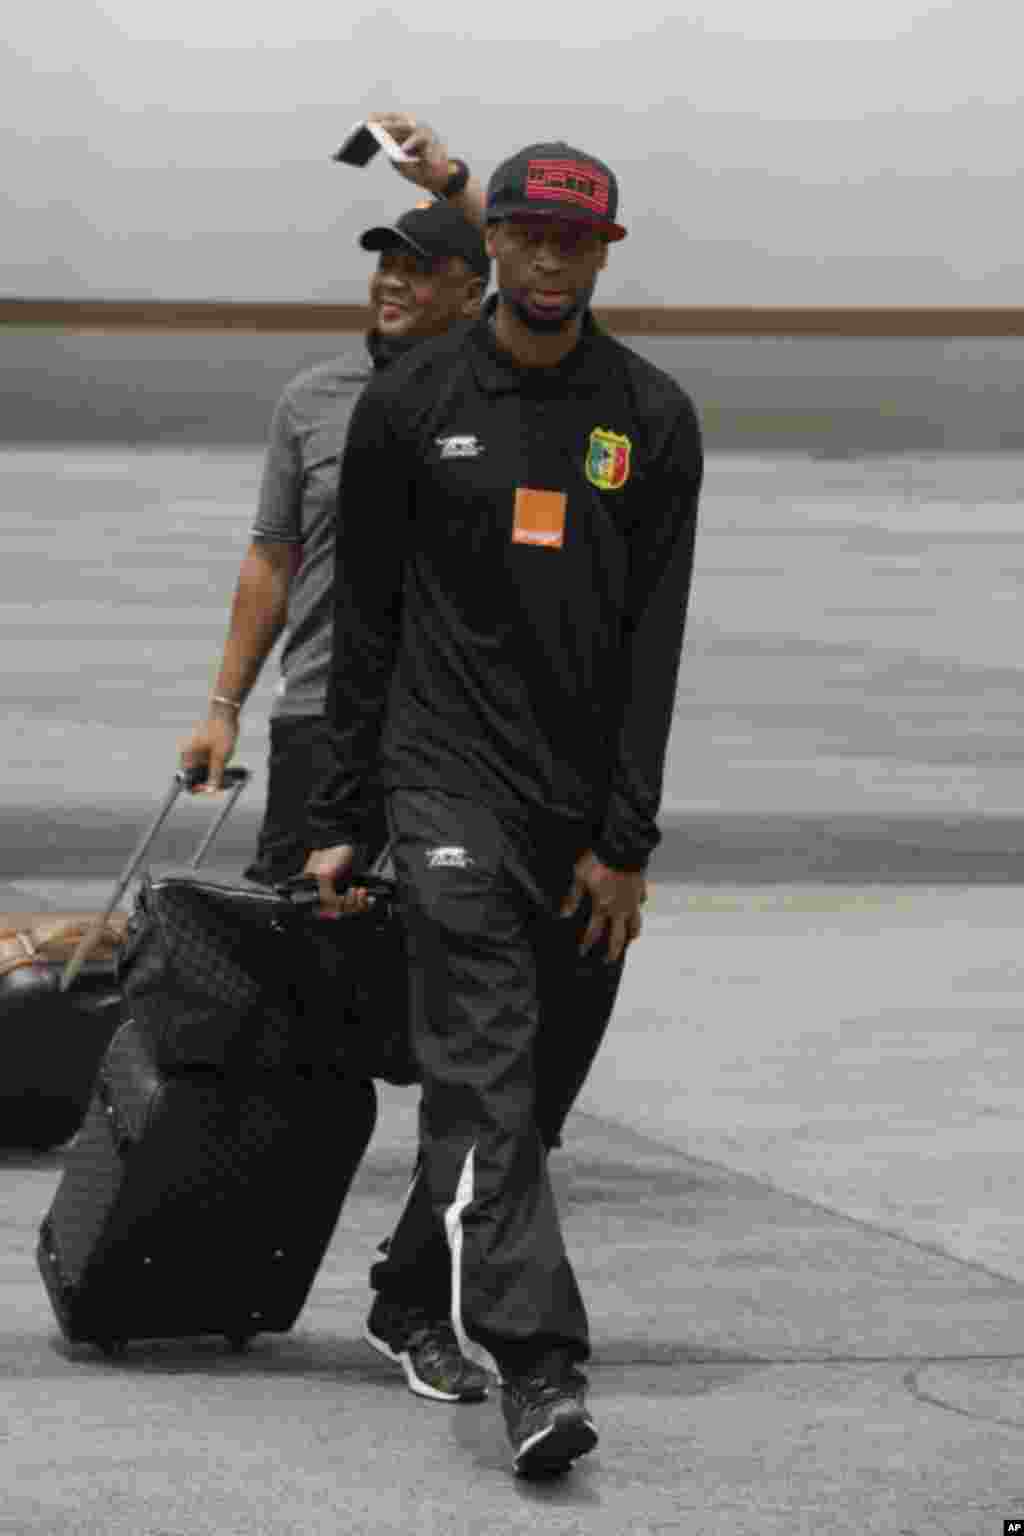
[224, 1130]
[193, 1203]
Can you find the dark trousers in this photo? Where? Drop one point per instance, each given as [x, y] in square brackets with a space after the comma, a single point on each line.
[300, 757]
[506, 1018]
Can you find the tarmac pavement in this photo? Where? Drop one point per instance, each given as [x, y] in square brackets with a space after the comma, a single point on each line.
[763, 1359]
[760, 1365]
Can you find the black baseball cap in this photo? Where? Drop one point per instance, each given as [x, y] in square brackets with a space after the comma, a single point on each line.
[556, 181]
[432, 230]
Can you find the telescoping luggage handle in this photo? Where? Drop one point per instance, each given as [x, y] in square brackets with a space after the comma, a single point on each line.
[235, 780]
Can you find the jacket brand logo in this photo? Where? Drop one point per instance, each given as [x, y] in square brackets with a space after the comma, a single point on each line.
[449, 858]
[465, 447]
[608, 458]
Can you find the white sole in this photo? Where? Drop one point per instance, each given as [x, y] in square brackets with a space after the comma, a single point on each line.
[555, 1448]
[402, 1358]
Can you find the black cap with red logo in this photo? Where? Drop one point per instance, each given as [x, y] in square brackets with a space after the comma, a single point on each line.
[555, 181]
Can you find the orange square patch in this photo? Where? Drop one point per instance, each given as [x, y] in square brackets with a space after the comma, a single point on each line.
[539, 518]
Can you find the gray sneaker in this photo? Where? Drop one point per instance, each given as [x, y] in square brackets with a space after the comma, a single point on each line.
[428, 1352]
[547, 1420]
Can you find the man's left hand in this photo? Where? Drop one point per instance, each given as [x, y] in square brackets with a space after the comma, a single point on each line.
[616, 896]
[431, 168]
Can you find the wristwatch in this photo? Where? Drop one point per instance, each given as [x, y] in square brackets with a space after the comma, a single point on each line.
[456, 182]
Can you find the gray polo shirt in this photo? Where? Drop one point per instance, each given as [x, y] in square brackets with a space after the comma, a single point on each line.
[298, 495]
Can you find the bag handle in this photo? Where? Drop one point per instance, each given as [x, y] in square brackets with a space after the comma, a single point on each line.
[304, 891]
[235, 780]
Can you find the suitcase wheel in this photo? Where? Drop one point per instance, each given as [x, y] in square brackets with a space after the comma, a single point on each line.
[238, 1343]
[111, 1348]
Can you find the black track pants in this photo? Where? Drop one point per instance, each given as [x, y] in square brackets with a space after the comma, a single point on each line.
[301, 754]
[506, 1019]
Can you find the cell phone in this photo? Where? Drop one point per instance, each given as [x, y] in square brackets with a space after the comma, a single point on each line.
[363, 143]
[359, 148]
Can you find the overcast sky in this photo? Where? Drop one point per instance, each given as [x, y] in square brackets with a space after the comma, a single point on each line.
[768, 151]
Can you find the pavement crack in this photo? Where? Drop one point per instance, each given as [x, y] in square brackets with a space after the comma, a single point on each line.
[912, 1383]
[670, 1360]
[759, 1181]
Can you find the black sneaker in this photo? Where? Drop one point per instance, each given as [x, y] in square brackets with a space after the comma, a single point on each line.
[547, 1421]
[428, 1352]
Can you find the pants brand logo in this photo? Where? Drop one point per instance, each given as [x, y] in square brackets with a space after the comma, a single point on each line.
[448, 858]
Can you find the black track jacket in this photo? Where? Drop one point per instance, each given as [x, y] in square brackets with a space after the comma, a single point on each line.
[514, 550]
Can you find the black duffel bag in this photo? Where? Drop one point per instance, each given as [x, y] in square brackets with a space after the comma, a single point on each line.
[51, 1041]
[238, 976]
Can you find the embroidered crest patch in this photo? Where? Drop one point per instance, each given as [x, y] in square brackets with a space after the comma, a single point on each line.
[608, 459]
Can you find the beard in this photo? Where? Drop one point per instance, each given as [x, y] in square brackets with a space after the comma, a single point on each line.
[546, 325]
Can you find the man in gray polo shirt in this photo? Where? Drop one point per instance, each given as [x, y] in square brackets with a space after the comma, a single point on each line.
[431, 273]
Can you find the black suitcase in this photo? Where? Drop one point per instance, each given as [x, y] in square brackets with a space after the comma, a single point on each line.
[194, 1202]
[227, 1122]
[229, 974]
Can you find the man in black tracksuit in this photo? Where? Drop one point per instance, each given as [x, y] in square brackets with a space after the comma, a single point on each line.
[514, 564]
